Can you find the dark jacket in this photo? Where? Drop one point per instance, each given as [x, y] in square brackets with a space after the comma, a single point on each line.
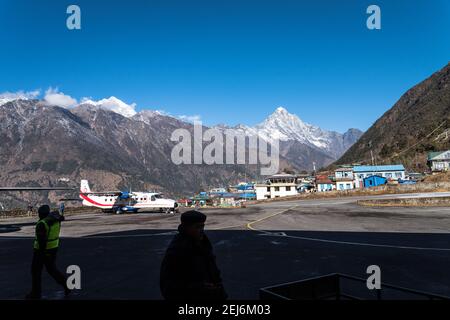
[186, 269]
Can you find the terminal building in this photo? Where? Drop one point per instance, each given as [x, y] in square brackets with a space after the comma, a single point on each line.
[276, 186]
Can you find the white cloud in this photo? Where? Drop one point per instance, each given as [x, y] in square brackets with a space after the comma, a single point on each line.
[56, 98]
[190, 118]
[113, 104]
[10, 96]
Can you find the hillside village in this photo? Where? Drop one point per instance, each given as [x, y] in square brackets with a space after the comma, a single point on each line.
[343, 179]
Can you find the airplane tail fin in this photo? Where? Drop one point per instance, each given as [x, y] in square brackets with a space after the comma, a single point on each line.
[84, 186]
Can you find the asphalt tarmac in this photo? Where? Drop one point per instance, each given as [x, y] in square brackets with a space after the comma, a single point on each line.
[258, 246]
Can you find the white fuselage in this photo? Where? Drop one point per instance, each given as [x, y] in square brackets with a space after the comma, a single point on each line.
[136, 200]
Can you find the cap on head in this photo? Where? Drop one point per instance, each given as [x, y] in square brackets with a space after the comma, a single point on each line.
[43, 211]
[192, 216]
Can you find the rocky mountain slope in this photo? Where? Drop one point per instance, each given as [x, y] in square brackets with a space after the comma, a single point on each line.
[49, 145]
[418, 123]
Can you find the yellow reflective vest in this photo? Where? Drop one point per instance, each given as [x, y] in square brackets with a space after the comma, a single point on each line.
[53, 230]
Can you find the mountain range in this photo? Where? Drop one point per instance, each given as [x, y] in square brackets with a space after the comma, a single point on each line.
[116, 148]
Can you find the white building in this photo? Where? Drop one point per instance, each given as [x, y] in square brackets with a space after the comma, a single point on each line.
[325, 184]
[344, 178]
[439, 161]
[218, 190]
[276, 186]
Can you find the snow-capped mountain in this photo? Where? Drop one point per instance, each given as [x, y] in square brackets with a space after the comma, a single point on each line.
[114, 104]
[6, 97]
[285, 126]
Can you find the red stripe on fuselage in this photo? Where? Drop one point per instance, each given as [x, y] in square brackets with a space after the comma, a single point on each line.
[94, 202]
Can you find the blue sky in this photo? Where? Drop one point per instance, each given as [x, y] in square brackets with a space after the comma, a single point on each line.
[228, 61]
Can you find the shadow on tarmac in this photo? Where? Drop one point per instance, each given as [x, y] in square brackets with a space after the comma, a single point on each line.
[125, 265]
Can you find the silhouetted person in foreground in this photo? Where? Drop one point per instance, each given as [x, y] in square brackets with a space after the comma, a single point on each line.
[46, 245]
[189, 270]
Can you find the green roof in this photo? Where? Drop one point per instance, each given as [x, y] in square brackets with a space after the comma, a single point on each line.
[434, 154]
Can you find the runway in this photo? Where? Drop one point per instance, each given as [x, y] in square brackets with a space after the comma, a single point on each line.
[258, 246]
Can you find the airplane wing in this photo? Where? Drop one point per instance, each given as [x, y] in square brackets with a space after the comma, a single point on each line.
[115, 193]
[35, 189]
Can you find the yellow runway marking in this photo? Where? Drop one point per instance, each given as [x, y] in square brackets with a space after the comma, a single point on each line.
[249, 225]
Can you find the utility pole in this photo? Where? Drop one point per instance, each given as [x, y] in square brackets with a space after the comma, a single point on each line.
[371, 156]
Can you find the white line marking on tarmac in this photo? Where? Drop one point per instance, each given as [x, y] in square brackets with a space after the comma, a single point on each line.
[278, 234]
[363, 243]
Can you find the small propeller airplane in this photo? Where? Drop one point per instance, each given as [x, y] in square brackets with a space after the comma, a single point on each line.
[125, 201]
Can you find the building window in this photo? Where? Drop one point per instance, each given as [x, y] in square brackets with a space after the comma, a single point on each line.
[288, 188]
[277, 188]
[268, 189]
[347, 186]
[439, 165]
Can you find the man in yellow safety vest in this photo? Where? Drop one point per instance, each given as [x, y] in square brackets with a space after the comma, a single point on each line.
[46, 245]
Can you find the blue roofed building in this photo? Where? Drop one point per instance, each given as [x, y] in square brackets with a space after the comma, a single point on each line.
[353, 177]
[393, 171]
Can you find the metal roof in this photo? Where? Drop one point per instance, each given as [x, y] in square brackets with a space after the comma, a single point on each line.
[392, 167]
[434, 154]
[344, 169]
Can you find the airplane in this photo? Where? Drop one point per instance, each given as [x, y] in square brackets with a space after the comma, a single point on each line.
[125, 201]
